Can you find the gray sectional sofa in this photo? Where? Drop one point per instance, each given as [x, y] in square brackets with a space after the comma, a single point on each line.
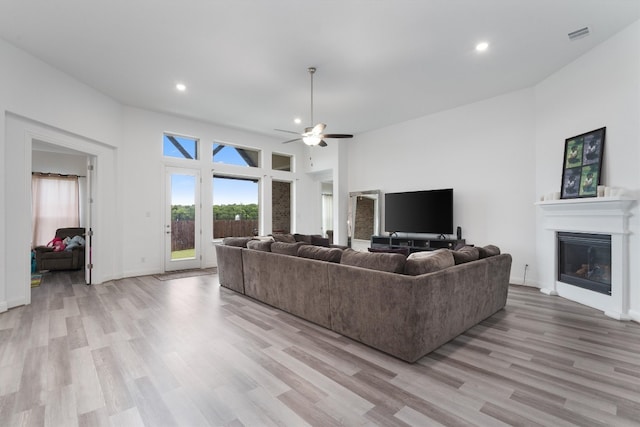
[406, 307]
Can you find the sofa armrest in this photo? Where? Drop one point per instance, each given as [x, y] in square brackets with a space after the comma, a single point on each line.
[229, 259]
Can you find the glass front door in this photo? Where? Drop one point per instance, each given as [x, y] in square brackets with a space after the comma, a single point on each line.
[182, 223]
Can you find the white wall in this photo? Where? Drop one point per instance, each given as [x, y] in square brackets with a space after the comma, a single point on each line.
[484, 151]
[601, 88]
[43, 101]
[144, 178]
[62, 163]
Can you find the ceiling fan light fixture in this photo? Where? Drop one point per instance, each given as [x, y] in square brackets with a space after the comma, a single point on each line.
[311, 140]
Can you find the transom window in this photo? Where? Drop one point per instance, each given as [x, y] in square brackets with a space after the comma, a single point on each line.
[181, 147]
[238, 156]
[281, 162]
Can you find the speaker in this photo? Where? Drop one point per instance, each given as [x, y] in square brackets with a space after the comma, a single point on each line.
[459, 233]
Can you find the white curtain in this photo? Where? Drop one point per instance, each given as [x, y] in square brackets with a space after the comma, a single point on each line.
[327, 212]
[54, 204]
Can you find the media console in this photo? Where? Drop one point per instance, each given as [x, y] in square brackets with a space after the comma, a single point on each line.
[414, 244]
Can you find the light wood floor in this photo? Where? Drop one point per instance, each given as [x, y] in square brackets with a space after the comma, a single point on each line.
[186, 352]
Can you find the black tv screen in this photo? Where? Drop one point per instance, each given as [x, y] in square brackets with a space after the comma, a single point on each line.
[419, 211]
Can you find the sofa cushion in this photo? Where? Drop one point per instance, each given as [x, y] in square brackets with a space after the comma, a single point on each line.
[285, 248]
[465, 254]
[428, 261]
[236, 241]
[260, 245]
[489, 250]
[320, 253]
[285, 237]
[393, 263]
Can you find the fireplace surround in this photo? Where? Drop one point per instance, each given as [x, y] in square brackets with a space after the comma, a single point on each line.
[604, 217]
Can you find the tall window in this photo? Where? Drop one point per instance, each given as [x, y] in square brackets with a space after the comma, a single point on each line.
[235, 206]
[54, 204]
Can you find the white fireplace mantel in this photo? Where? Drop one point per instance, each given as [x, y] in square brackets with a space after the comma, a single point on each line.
[598, 215]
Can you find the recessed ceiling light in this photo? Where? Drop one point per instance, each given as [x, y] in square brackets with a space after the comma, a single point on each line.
[297, 120]
[481, 47]
[181, 87]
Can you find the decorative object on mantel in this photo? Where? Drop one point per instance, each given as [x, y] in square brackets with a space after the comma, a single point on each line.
[602, 192]
[582, 166]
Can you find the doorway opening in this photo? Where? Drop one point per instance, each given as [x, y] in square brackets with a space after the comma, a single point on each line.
[77, 167]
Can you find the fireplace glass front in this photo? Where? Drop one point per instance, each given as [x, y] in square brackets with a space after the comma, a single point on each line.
[584, 260]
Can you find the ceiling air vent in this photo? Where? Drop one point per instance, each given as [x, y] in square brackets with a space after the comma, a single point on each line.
[578, 34]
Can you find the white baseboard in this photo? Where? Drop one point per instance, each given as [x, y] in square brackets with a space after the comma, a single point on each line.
[3, 306]
[136, 273]
[15, 303]
[634, 315]
[521, 281]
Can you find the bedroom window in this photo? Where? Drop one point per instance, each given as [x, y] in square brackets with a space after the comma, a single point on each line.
[55, 203]
[236, 211]
[239, 156]
[180, 147]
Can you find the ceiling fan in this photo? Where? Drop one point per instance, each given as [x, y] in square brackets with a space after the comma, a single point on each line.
[314, 135]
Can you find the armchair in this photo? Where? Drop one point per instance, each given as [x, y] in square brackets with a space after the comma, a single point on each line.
[48, 259]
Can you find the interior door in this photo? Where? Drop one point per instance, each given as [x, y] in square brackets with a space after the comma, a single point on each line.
[182, 219]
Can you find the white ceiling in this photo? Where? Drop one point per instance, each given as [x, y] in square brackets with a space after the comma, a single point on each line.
[245, 61]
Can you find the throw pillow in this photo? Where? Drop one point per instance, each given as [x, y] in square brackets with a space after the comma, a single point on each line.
[259, 245]
[393, 263]
[320, 253]
[285, 248]
[302, 238]
[489, 250]
[286, 238]
[318, 240]
[403, 251]
[428, 262]
[264, 238]
[465, 254]
[236, 241]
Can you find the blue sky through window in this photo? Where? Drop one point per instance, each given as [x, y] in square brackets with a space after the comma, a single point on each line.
[225, 191]
[229, 155]
[190, 145]
[183, 188]
[239, 191]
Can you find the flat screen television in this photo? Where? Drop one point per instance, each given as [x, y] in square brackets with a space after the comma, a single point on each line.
[419, 211]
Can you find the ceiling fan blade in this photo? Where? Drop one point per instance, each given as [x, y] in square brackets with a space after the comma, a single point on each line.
[337, 135]
[292, 140]
[322, 143]
[288, 131]
[317, 129]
